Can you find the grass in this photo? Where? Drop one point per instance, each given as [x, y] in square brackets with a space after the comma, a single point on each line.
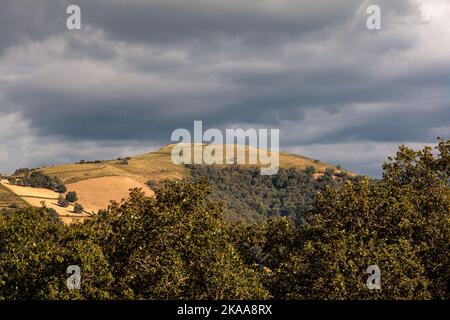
[69, 173]
[154, 166]
[151, 166]
[8, 198]
[28, 196]
[289, 160]
[157, 166]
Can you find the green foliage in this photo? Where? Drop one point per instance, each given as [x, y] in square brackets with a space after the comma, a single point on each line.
[250, 197]
[36, 249]
[152, 184]
[22, 171]
[90, 162]
[173, 246]
[61, 188]
[36, 179]
[177, 246]
[78, 208]
[400, 223]
[62, 202]
[311, 170]
[71, 196]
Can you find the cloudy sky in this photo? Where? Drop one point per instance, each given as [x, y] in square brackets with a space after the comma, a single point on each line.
[139, 69]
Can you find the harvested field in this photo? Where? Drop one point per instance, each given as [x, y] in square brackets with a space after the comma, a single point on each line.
[38, 196]
[95, 194]
[31, 192]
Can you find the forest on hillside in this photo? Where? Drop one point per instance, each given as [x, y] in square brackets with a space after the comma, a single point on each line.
[177, 245]
[249, 196]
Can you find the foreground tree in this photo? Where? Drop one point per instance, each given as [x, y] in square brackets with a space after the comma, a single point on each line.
[174, 246]
[401, 224]
[36, 249]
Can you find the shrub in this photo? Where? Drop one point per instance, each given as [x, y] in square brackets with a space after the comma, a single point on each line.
[13, 206]
[78, 208]
[22, 171]
[311, 170]
[62, 202]
[152, 184]
[71, 196]
[61, 188]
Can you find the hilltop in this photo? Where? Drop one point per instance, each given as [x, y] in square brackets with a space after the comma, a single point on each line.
[157, 166]
[100, 181]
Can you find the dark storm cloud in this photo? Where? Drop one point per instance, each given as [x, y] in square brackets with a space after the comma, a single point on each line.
[140, 69]
[25, 20]
[179, 21]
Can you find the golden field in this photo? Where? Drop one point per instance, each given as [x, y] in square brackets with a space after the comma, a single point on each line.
[40, 196]
[96, 193]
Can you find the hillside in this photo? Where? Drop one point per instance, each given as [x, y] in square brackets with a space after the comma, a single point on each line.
[28, 196]
[157, 165]
[248, 196]
[99, 182]
[9, 200]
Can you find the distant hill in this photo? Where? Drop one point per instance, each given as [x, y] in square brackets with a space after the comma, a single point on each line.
[157, 165]
[100, 181]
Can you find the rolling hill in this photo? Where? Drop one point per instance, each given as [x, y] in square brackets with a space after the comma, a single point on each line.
[157, 165]
[99, 182]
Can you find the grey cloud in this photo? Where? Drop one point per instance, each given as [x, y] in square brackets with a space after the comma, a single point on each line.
[24, 20]
[202, 20]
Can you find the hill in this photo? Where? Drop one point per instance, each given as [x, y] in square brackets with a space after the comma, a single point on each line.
[157, 166]
[101, 181]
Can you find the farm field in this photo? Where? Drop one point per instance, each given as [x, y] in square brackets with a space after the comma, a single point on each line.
[38, 196]
[9, 199]
[95, 194]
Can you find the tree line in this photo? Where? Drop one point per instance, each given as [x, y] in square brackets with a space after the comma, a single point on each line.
[35, 179]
